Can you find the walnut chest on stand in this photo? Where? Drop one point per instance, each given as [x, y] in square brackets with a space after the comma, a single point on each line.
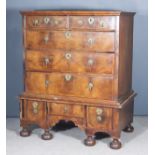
[78, 67]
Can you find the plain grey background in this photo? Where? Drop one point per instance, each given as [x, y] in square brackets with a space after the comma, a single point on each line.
[14, 44]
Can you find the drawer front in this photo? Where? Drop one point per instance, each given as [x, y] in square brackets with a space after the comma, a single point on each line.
[35, 82]
[99, 117]
[68, 61]
[67, 84]
[35, 111]
[54, 22]
[93, 22]
[77, 40]
[72, 22]
[66, 109]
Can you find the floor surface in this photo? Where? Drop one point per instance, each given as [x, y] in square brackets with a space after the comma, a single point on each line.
[70, 142]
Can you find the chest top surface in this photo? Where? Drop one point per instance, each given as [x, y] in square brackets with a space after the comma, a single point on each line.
[77, 12]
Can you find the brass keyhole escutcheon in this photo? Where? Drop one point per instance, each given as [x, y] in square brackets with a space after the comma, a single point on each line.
[68, 56]
[35, 106]
[68, 77]
[46, 20]
[67, 34]
[99, 111]
[91, 20]
[36, 22]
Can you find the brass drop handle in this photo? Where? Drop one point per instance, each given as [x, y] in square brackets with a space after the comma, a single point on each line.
[68, 56]
[91, 20]
[102, 23]
[90, 86]
[90, 61]
[46, 39]
[99, 119]
[35, 106]
[67, 34]
[46, 83]
[65, 109]
[46, 20]
[56, 22]
[36, 22]
[91, 41]
[80, 22]
[99, 111]
[46, 60]
[68, 77]
[99, 115]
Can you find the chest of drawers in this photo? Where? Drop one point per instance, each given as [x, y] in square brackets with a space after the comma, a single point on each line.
[78, 67]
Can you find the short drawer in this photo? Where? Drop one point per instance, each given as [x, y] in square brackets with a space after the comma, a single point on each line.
[54, 119]
[66, 109]
[54, 22]
[69, 61]
[35, 110]
[99, 117]
[71, 40]
[102, 23]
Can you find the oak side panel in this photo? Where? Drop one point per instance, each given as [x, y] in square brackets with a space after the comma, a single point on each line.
[126, 114]
[125, 56]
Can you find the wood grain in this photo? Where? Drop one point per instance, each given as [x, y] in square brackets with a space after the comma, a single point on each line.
[66, 110]
[79, 62]
[101, 41]
[78, 67]
[78, 85]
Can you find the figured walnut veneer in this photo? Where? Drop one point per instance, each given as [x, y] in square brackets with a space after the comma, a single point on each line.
[78, 67]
